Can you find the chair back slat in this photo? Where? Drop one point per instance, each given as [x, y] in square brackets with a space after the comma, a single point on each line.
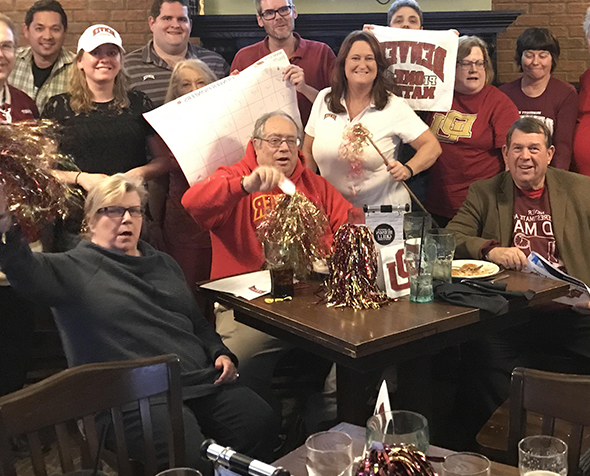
[81, 393]
[63, 447]
[177, 449]
[574, 445]
[122, 455]
[555, 396]
[148, 436]
[37, 457]
[89, 445]
[548, 425]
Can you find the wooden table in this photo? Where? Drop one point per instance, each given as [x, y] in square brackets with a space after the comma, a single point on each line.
[295, 461]
[363, 342]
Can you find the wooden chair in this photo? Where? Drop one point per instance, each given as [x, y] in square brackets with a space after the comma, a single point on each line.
[77, 395]
[538, 397]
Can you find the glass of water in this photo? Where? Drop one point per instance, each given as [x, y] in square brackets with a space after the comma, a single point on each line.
[443, 243]
[329, 453]
[466, 464]
[542, 456]
[398, 427]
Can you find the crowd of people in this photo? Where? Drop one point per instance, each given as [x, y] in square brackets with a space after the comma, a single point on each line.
[498, 163]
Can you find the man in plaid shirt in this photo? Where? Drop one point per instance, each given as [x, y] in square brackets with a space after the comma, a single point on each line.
[41, 69]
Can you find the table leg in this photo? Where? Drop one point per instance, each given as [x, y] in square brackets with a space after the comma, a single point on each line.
[354, 391]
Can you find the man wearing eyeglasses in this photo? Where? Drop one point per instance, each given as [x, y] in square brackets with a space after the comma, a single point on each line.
[231, 203]
[311, 61]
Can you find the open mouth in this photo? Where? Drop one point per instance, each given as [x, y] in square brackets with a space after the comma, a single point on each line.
[126, 233]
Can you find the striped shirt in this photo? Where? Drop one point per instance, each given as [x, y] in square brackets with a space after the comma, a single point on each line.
[151, 74]
[57, 82]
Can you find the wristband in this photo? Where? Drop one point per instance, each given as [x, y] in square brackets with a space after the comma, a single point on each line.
[409, 170]
[242, 185]
[76, 180]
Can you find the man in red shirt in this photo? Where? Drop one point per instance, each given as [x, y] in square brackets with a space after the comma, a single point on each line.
[231, 203]
[311, 61]
[530, 207]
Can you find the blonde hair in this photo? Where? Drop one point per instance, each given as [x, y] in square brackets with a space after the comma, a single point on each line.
[82, 99]
[197, 66]
[110, 190]
[466, 43]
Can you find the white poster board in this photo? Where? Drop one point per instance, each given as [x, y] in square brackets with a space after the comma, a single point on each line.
[212, 126]
[423, 63]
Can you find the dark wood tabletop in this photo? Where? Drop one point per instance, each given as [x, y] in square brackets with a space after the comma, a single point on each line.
[295, 461]
[352, 337]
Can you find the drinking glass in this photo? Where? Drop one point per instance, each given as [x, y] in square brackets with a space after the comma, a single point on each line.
[542, 456]
[419, 261]
[417, 224]
[281, 273]
[466, 464]
[180, 472]
[329, 453]
[444, 251]
[398, 427]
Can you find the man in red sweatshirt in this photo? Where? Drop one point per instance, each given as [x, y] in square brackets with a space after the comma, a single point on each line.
[231, 203]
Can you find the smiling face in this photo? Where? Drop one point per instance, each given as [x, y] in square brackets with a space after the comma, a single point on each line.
[46, 35]
[7, 52]
[470, 78]
[102, 64]
[172, 28]
[527, 158]
[536, 64]
[407, 18]
[281, 27]
[360, 67]
[117, 233]
[282, 157]
[190, 80]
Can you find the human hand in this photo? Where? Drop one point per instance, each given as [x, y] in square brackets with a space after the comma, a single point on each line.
[229, 373]
[398, 171]
[582, 308]
[263, 179]
[368, 28]
[510, 258]
[295, 75]
[235, 72]
[87, 181]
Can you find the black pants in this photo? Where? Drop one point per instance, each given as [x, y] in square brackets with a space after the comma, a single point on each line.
[17, 319]
[555, 339]
[235, 417]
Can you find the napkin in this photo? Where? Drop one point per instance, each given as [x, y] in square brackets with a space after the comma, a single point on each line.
[491, 297]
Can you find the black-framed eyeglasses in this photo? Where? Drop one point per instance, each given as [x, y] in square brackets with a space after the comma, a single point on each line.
[276, 141]
[468, 64]
[115, 211]
[271, 14]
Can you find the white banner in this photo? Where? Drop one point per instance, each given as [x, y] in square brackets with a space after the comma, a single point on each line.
[211, 126]
[423, 63]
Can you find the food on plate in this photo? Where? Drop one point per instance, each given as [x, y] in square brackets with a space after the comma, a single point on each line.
[469, 270]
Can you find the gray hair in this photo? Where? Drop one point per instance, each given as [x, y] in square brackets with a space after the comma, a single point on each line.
[111, 189]
[11, 26]
[395, 6]
[257, 5]
[261, 122]
[587, 24]
[197, 66]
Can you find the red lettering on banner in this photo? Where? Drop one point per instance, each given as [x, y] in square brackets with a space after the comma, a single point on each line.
[428, 55]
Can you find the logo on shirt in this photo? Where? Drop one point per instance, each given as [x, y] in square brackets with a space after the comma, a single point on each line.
[329, 115]
[452, 126]
[148, 76]
[261, 205]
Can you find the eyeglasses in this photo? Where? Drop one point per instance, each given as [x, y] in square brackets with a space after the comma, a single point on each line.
[119, 212]
[479, 64]
[7, 48]
[271, 14]
[275, 142]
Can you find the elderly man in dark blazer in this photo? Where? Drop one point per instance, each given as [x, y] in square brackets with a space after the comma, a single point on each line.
[530, 207]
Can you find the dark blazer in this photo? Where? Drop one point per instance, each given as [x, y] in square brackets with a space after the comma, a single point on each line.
[487, 214]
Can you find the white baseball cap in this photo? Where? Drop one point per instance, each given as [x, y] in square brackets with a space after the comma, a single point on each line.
[97, 35]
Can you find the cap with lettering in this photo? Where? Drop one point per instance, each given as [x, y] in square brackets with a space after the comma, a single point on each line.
[97, 35]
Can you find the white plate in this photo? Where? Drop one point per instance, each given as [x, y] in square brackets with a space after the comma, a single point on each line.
[488, 269]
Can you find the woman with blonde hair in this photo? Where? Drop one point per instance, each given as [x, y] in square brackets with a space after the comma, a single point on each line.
[582, 135]
[102, 124]
[184, 240]
[471, 134]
